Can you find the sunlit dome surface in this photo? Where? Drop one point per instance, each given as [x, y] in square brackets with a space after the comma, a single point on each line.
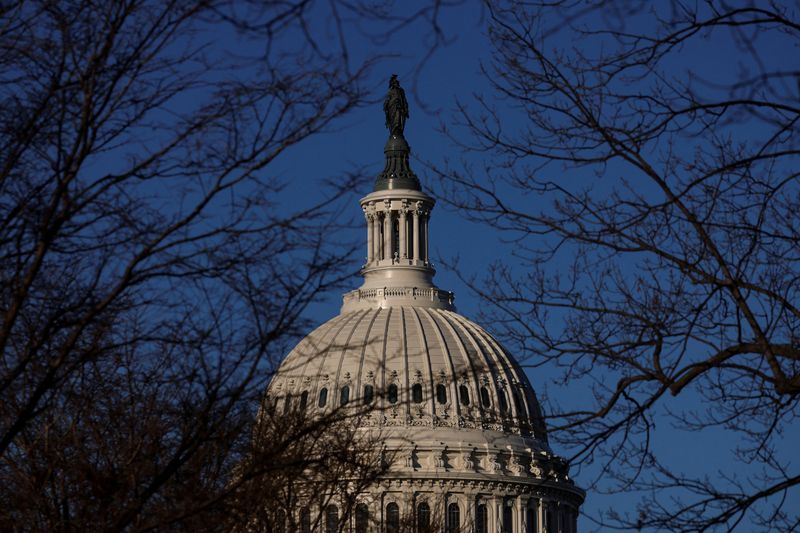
[420, 366]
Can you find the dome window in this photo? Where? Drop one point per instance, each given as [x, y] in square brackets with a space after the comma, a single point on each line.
[423, 517]
[508, 519]
[485, 397]
[392, 518]
[331, 518]
[287, 403]
[453, 518]
[323, 397]
[344, 397]
[369, 394]
[305, 520]
[532, 519]
[463, 392]
[501, 396]
[441, 393]
[280, 521]
[362, 518]
[482, 519]
[391, 393]
[304, 399]
[416, 393]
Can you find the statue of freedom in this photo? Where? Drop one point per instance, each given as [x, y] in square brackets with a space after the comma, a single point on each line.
[395, 106]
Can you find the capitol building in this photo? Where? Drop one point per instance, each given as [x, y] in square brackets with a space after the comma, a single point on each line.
[470, 448]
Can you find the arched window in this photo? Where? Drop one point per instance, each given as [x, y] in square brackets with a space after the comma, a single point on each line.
[531, 515]
[331, 519]
[485, 397]
[305, 520]
[416, 393]
[392, 518]
[501, 397]
[453, 520]
[287, 403]
[345, 395]
[441, 393]
[362, 518]
[369, 394]
[323, 397]
[482, 519]
[463, 391]
[423, 517]
[391, 393]
[280, 521]
[303, 399]
[508, 519]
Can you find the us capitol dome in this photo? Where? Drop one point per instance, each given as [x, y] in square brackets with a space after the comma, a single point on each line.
[458, 411]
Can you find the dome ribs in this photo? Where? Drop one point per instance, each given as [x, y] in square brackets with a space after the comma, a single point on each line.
[387, 377]
[502, 376]
[477, 357]
[448, 341]
[295, 367]
[395, 362]
[321, 378]
[437, 354]
[348, 346]
[469, 352]
[404, 337]
[371, 355]
[425, 357]
[519, 381]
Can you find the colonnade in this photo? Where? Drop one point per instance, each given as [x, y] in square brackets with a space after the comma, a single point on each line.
[511, 514]
[452, 513]
[397, 235]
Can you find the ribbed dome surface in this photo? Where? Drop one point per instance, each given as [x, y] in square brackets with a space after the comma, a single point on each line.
[422, 366]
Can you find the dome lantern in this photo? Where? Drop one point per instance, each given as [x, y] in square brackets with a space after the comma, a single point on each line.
[397, 213]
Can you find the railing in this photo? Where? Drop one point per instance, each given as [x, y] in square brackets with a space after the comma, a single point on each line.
[374, 295]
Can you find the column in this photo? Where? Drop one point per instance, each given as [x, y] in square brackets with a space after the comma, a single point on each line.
[439, 506]
[403, 246]
[524, 526]
[425, 225]
[387, 235]
[519, 515]
[544, 525]
[415, 234]
[370, 249]
[376, 238]
[471, 512]
[409, 512]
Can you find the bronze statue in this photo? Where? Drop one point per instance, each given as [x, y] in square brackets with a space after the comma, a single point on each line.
[395, 106]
